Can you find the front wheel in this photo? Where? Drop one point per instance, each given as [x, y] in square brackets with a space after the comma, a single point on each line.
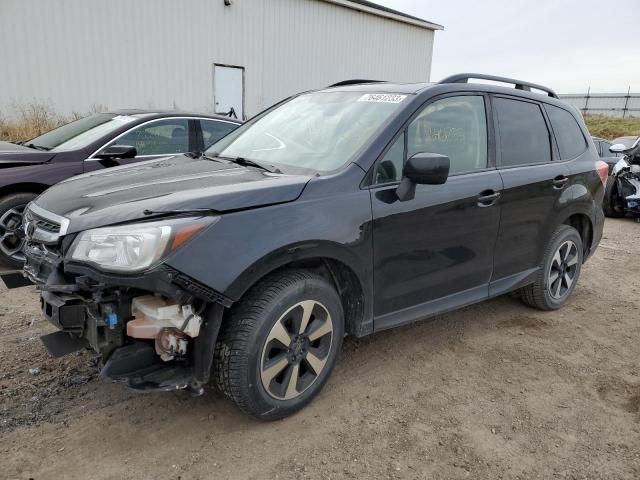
[559, 271]
[11, 215]
[278, 346]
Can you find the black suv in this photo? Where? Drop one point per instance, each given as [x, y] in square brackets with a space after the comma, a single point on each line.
[343, 211]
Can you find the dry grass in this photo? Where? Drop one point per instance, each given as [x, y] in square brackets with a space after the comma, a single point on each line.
[29, 121]
[33, 119]
[608, 127]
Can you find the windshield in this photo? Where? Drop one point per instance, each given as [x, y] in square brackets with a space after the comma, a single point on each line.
[626, 141]
[80, 133]
[319, 131]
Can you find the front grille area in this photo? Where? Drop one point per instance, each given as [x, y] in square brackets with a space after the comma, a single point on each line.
[47, 226]
[40, 261]
[38, 228]
[43, 223]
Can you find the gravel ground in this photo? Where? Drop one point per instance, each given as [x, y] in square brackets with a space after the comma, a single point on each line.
[496, 390]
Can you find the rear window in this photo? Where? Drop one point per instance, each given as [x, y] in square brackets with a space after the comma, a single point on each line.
[524, 137]
[571, 141]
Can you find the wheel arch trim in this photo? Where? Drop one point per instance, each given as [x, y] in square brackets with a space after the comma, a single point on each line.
[583, 221]
[23, 187]
[346, 272]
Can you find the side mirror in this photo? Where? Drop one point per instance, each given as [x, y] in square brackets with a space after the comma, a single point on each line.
[617, 148]
[423, 169]
[113, 152]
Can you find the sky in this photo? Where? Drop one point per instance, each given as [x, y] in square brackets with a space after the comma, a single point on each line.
[568, 45]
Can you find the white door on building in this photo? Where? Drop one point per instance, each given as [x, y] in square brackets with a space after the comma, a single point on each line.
[228, 91]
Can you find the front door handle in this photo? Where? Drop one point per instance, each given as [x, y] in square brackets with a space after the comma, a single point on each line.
[560, 181]
[488, 198]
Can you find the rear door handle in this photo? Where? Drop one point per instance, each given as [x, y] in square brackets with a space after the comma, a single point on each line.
[560, 181]
[488, 198]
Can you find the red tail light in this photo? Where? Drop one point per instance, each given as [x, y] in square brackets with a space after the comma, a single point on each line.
[603, 171]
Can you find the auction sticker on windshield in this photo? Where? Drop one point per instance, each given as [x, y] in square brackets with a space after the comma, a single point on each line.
[382, 98]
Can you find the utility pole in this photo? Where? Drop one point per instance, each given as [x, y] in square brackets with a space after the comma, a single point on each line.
[626, 102]
[586, 102]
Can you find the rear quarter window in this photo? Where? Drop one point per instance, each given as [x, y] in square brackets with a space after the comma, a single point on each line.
[571, 141]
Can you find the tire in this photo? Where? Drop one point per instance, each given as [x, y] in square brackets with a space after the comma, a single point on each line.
[11, 210]
[610, 203]
[252, 364]
[546, 293]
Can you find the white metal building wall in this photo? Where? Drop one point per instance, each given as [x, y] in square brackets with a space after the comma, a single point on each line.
[73, 54]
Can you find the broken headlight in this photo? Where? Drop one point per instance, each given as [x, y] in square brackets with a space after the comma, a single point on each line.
[134, 247]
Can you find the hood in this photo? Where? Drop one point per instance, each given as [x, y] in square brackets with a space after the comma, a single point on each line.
[13, 147]
[13, 155]
[123, 193]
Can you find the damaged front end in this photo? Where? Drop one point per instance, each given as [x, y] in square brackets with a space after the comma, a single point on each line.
[624, 190]
[107, 289]
[629, 190]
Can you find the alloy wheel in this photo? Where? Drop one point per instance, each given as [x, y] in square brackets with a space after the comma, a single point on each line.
[562, 273]
[296, 350]
[10, 239]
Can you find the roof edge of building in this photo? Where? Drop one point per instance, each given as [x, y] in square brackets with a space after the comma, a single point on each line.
[380, 11]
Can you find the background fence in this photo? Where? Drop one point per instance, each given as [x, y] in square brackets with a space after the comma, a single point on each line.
[610, 104]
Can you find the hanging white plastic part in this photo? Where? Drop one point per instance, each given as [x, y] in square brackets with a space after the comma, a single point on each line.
[193, 321]
[152, 314]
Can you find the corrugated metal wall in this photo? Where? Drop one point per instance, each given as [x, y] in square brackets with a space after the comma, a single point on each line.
[73, 54]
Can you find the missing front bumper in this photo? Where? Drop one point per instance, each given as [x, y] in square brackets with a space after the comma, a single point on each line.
[15, 279]
[59, 344]
[141, 369]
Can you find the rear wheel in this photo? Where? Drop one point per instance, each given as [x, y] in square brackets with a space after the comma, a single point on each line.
[559, 271]
[611, 203]
[11, 215]
[279, 345]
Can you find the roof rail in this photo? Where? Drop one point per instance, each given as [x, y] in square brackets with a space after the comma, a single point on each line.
[519, 84]
[355, 81]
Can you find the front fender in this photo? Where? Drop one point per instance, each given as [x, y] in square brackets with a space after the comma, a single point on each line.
[299, 252]
[45, 174]
[243, 247]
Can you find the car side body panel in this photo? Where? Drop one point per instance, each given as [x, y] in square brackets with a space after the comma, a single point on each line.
[45, 174]
[529, 202]
[328, 221]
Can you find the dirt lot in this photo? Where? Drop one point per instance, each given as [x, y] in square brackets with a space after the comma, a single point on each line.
[497, 390]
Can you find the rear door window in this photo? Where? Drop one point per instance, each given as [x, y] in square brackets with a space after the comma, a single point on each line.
[214, 130]
[524, 136]
[571, 141]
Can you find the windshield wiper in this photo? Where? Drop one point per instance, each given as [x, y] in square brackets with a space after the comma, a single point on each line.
[36, 147]
[190, 211]
[245, 162]
[197, 155]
